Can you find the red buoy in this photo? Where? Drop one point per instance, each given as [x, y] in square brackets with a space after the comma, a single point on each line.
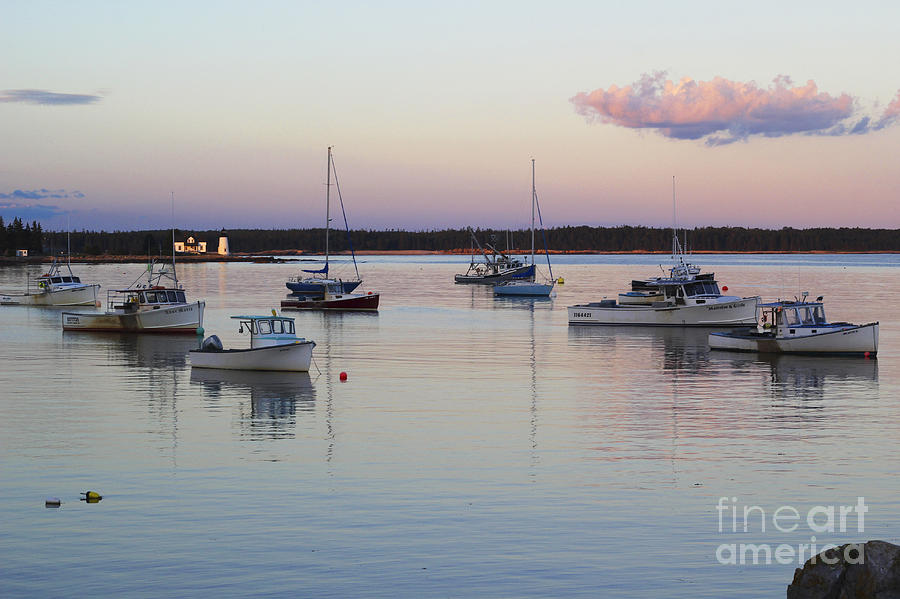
[725, 288]
[343, 376]
[866, 354]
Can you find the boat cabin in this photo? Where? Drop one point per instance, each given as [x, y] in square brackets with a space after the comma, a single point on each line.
[152, 298]
[266, 331]
[793, 319]
[688, 292]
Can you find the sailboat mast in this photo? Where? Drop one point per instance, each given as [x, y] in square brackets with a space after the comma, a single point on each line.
[327, 208]
[533, 193]
[674, 233]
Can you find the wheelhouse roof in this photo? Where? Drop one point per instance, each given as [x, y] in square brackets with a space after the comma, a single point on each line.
[262, 318]
[783, 304]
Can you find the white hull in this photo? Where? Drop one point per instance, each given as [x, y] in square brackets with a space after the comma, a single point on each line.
[77, 296]
[857, 340]
[179, 318]
[294, 357]
[740, 312]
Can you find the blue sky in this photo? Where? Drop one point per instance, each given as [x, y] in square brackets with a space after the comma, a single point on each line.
[435, 111]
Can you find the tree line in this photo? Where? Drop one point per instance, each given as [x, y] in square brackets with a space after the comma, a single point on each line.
[18, 235]
[21, 236]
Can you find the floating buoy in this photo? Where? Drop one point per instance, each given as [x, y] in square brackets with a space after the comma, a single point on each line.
[91, 497]
[561, 281]
[866, 354]
[725, 288]
[52, 502]
[370, 293]
[200, 331]
[343, 376]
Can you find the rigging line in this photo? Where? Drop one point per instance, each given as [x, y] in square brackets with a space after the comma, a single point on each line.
[337, 186]
[543, 234]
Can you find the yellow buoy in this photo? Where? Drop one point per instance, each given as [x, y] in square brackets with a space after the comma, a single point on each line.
[561, 281]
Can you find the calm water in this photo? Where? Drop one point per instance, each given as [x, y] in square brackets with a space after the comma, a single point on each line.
[480, 448]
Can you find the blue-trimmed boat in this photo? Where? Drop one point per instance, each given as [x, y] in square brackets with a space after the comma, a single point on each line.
[800, 327]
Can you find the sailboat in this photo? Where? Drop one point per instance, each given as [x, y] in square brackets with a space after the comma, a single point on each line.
[322, 292]
[530, 287]
[56, 288]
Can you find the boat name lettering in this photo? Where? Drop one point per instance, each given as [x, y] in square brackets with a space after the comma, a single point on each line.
[71, 320]
[727, 306]
[581, 314]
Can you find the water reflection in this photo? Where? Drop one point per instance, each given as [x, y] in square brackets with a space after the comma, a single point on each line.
[805, 377]
[681, 349]
[268, 402]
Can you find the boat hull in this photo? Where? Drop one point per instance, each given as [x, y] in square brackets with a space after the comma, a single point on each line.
[176, 319]
[73, 296]
[859, 340]
[524, 289]
[740, 312]
[367, 302]
[494, 278]
[292, 357]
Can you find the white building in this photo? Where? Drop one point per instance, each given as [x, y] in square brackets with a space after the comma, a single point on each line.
[21, 253]
[223, 245]
[190, 246]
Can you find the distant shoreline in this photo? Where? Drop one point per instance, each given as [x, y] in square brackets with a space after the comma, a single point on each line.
[276, 256]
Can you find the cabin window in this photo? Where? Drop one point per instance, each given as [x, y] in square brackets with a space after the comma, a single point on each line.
[790, 317]
[277, 327]
[818, 315]
[180, 296]
[289, 326]
[67, 279]
[151, 297]
[172, 296]
[56, 280]
[804, 315]
[265, 327]
[76, 280]
[143, 298]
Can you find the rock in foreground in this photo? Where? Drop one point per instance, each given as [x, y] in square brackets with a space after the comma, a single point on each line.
[856, 571]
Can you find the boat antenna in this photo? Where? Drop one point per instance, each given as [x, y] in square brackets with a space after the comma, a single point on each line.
[174, 274]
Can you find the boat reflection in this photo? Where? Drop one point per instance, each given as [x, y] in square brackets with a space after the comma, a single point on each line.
[805, 377]
[271, 399]
[133, 350]
[684, 349]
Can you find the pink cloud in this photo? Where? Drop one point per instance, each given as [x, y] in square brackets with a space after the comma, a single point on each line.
[724, 111]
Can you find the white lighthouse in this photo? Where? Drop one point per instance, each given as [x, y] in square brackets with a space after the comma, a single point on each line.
[223, 244]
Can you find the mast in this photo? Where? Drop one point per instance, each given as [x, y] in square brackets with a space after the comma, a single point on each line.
[674, 233]
[174, 274]
[533, 194]
[327, 209]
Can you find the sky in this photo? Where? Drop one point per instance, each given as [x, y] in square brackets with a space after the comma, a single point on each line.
[767, 114]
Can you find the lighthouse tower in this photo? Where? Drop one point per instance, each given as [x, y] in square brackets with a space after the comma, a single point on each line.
[223, 244]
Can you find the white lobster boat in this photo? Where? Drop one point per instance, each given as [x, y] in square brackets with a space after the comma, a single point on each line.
[800, 327]
[56, 288]
[274, 345]
[687, 299]
[153, 307]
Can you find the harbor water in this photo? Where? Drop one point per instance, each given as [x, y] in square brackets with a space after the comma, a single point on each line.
[479, 447]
